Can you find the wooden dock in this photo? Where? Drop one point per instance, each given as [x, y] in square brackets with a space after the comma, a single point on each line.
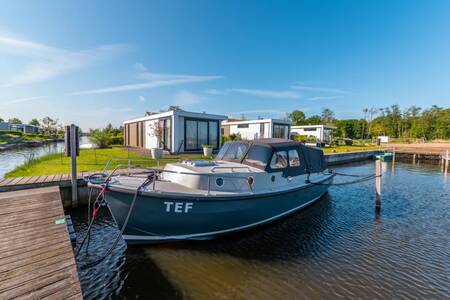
[36, 256]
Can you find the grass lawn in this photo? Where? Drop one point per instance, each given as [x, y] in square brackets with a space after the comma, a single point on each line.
[89, 160]
[339, 149]
[95, 160]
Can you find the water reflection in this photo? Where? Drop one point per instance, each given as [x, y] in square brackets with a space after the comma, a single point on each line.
[9, 159]
[337, 248]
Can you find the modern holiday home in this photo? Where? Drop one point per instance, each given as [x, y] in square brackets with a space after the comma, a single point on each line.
[174, 131]
[260, 128]
[322, 133]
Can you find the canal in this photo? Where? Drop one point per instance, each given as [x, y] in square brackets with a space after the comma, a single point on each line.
[337, 248]
[9, 159]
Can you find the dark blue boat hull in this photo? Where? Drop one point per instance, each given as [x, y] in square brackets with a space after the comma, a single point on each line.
[158, 218]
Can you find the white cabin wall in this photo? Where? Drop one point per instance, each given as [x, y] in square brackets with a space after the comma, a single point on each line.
[246, 133]
[151, 141]
[267, 131]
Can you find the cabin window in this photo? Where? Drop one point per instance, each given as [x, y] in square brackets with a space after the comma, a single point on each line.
[294, 159]
[233, 152]
[279, 160]
[258, 156]
[242, 126]
[280, 131]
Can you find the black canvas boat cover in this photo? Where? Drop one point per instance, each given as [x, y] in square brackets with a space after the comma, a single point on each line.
[312, 158]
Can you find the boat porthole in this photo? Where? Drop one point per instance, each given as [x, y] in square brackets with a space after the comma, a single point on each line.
[219, 182]
[250, 180]
[273, 178]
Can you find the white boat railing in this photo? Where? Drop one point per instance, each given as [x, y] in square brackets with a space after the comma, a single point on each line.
[249, 180]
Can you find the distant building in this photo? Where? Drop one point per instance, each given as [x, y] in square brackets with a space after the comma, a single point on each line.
[179, 131]
[383, 139]
[323, 133]
[254, 129]
[20, 127]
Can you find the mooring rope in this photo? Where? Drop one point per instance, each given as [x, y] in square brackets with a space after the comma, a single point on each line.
[119, 235]
[361, 178]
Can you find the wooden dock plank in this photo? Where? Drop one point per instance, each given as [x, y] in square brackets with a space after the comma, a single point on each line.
[36, 256]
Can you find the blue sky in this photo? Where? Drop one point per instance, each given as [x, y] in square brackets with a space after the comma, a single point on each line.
[95, 62]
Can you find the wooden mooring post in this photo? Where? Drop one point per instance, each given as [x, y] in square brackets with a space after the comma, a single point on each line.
[378, 185]
[447, 158]
[73, 150]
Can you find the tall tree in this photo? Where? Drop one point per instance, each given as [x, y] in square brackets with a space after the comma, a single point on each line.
[314, 120]
[327, 115]
[14, 121]
[34, 122]
[49, 124]
[297, 117]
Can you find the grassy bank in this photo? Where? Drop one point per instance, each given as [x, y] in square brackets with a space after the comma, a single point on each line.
[89, 160]
[339, 149]
[17, 137]
[95, 160]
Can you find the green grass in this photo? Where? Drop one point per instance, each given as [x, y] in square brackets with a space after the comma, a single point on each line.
[15, 137]
[95, 160]
[89, 160]
[339, 149]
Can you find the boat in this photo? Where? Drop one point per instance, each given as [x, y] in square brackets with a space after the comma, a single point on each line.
[248, 184]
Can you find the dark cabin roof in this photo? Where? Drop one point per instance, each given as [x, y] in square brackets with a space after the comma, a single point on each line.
[313, 157]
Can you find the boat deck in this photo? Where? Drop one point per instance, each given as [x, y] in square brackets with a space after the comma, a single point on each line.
[36, 256]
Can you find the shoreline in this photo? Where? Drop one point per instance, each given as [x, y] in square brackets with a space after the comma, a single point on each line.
[28, 144]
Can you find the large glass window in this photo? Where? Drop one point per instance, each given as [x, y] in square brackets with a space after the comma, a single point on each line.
[258, 156]
[191, 135]
[213, 136]
[201, 132]
[294, 159]
[279, 160]
[280, 131]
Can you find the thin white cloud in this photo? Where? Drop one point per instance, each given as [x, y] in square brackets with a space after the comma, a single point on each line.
[186, 98]
[316, 98]
[10, 103]
[267, 93]
[151, 81]
[319, 89]
[44, 62]
[215, 92]
[141, 99]
[21, 100]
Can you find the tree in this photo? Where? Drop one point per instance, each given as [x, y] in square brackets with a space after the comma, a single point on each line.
[34, 122]
[1, 120]
[100, 137]
[49, 124]
[327, 115]
[314, 120]
[297, 117]
[14, 121]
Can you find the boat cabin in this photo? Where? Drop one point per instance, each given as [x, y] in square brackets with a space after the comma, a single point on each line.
[274, 155]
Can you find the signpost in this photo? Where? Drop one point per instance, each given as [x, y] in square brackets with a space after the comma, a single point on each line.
[72, 149]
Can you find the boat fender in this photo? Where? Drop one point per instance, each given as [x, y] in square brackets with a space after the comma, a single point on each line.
[251, 180]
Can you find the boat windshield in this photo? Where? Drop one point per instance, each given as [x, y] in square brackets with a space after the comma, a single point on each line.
[258, 156]
[233, 152]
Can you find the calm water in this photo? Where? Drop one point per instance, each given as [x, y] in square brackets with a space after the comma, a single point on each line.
[9, 159]
[337, 248]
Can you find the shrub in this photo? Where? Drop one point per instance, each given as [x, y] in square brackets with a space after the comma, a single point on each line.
[117, 140]
[300, 138]
[101, 138]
